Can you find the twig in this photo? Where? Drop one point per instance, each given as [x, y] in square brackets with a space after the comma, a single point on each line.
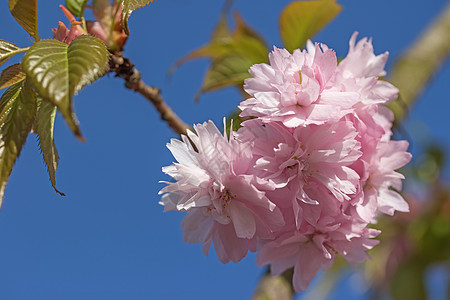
[123, 68]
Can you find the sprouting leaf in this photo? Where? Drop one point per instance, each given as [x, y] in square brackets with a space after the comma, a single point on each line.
[66, 70]
[301, 20]
[128, 6]
[76, 7]
[11, 75]
[240, 49]
[222, 30]
[243, 41]
[8, 50]
[17, 109]
[45, 122]
[230, 70]
[25, 13]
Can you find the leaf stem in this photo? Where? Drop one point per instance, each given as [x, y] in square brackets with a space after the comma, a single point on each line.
[20, 50]
[116, 11]
[123, 68]
[83, 23]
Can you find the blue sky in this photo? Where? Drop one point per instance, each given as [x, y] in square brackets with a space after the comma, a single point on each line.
[109, 239]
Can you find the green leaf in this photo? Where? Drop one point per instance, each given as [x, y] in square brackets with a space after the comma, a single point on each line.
[76, 7]
[58, 71]
[243, 41]
[44, 129]
[240, 49]
[221, 31]
[128, 6]
[235, 120]
[17, 109]
[8, 50]
[11, 75]
[301, 20]
[25, 13]
[229, 70]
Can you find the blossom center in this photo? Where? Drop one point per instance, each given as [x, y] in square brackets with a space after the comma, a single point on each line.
[220, 201]
[299, 76]
[298, 164]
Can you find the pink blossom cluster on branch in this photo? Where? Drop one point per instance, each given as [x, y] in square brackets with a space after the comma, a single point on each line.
[301, 180]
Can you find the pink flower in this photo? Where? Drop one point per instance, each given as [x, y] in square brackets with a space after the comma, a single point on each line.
[304, 177]
[297, 89]
[315, 246]
[389, 157]
[361, 62]
[359, 72]
[381, 157]
[303, 159]
[224, 204]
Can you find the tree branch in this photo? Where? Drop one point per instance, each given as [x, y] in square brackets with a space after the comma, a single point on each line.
[123, 68]
[417, 66]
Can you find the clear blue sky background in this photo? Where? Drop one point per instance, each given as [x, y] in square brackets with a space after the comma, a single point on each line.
[109, 239]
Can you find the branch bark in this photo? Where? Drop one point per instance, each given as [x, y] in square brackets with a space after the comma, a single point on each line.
[123, 68]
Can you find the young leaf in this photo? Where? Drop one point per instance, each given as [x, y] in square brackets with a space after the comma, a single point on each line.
[8, 50]
[128, 6]
[222, 30]
[45, 122]
[76, 7]
[17, 109]
[235, 120]
[230, 70]
[25, 13]
[11, 75]
[66, 70]
[220, 36]
[243, 41]
[301, 20]
[240, 49]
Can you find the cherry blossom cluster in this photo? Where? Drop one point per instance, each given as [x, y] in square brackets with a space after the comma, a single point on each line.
[305, 175]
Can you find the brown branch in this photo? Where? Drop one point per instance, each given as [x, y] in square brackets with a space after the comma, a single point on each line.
[123, 68]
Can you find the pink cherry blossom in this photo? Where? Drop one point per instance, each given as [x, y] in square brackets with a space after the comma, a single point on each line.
[297, 89]
[224, 204]
[359, 72]
[303, 159]
[361, 61]
[303, 178]
[315, 246]
[389, 157]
